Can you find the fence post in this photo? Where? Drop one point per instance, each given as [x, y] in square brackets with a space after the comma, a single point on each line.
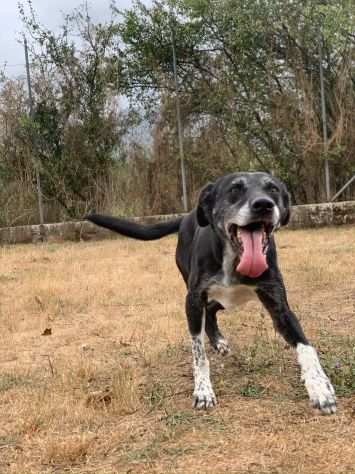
[36, 167]
[324, 121]
[179, 124]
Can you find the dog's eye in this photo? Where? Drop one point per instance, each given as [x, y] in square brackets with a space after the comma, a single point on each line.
[272, 188]
[236, 190]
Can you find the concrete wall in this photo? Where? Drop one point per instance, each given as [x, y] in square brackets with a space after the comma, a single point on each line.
[319, 215]
[311, 215]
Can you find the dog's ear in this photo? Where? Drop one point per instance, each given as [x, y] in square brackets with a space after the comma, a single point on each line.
[285, 218]
[205, 205]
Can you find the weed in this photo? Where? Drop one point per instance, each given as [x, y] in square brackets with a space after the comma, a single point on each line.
[252, 390]
[70, 451]
[264, 355]
[178, 418]
[9, 381]
[125, 390]
[7, 441]
[148, 453]
[338, 359]
[7, 278]
[156, 395]
[33, 424]
[177, 451]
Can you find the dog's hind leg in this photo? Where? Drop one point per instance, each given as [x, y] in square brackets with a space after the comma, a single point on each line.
[216, 338]
[203, 396]
[320, 390]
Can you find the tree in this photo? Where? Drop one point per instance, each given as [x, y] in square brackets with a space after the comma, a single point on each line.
[77, 124]
[252, 66]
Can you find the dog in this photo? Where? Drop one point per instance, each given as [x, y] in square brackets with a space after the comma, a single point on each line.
[226, 254]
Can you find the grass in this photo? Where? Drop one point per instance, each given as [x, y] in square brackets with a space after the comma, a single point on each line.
[9, 381]
[338, 358]
[96, 373]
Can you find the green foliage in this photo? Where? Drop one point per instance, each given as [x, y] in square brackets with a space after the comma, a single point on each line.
[251, 390]
[339, 363]
[252, 68]
[76, 127]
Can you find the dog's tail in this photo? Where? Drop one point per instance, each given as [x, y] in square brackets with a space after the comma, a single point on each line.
[135, 230]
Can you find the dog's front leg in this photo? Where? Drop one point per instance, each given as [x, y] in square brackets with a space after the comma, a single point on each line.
[319, 388]
[203, 396]
[217, 340]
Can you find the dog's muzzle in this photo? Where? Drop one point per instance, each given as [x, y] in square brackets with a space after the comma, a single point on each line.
[251, 240]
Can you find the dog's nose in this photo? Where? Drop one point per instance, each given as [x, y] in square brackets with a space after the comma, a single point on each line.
[262, 205]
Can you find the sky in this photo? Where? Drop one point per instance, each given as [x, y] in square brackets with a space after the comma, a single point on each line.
[50, 14]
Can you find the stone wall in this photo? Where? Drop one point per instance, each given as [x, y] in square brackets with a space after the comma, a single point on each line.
[307, 216]
[320, 215]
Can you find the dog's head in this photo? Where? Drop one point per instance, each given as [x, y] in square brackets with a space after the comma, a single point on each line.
[244, 209]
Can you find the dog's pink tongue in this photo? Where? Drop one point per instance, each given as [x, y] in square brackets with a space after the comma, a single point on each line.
[252, 261]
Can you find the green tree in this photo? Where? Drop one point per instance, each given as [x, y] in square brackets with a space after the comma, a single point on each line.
[252, 66]
[77, 124]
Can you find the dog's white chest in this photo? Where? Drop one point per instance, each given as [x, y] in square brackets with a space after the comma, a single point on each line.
[230, 296]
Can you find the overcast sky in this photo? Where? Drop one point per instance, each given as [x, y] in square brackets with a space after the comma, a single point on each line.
[49, 13]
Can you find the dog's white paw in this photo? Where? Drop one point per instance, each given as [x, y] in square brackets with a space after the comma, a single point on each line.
[222, 347]
[320, 390]
[321, 393]
[204, 398]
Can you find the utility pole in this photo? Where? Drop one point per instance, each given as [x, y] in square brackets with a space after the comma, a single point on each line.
[30, 97]
[179, 124]
[324, 121]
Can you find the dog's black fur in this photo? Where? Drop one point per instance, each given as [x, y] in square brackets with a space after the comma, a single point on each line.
[208, 252]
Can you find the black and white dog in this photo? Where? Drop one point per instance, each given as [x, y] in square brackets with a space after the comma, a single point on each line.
[226, 254]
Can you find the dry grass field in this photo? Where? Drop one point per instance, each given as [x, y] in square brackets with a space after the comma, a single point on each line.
[95, 364]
